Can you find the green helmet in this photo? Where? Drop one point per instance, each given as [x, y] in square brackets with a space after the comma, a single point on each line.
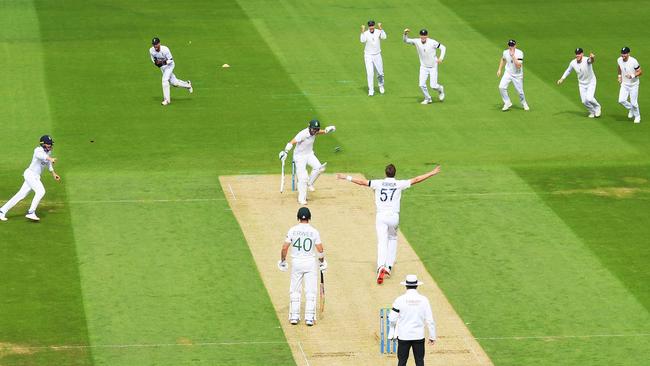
[314, 126]
[304, 214]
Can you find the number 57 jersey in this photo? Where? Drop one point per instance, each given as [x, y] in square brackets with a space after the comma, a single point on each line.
[388, 193]
[302, 240]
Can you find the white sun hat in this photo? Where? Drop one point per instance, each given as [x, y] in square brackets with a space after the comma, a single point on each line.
[411, 280]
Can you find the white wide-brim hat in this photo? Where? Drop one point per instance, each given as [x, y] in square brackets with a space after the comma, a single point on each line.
[411, 280]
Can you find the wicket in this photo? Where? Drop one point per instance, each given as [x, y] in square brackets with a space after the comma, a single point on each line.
[385, 345]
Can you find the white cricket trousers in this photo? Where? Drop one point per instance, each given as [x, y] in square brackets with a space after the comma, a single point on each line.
[303, 270]
[168, 77]
[302, 160]
[631, 92]
[374, 63]
[587, 96]
[517, 82]
[32, 183]
[432, 74]
[387, 224]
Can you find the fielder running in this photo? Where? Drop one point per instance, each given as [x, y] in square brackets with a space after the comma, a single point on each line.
[629, 71]
[388, 195]
[305, 244]
[162, 57]
[41, 158]
[429, 61]
[586, 80]
[372, 55]
[304, 155]
[513, 59]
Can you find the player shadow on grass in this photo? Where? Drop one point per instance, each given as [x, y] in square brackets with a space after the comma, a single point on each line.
[573, 113]
[175, 100]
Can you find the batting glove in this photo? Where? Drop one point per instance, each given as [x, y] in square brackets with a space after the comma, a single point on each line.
[323, 266]
[329, 129]
[283, 155]
[283, 266]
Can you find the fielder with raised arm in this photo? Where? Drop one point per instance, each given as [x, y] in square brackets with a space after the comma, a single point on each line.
[304, 241]
[629, 71]
[41, 158]
[427, 51]
[162, 58]
[388, 196]
[513, 59]
[372, 55]
[304, 155]
[586, 80]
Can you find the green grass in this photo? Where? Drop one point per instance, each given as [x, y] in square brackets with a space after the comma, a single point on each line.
[512, 230]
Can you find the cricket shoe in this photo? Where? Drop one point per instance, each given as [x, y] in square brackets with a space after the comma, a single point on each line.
[293, 321]
[165, 102]
[506, 106]
[381, 89]
[630, 114]
[2, 216]
[32, 216]
[591, 115]
[371, 93]
[381, 272]
[526, 107]
[637, 119]
[311, 188]
[387, 271]
[309, 322]
[302, 203]
[191, 90]
[441, 94]
[426, 101]
[597, 113]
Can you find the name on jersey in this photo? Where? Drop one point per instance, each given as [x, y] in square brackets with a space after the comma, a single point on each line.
[303, 234]
[389, 184]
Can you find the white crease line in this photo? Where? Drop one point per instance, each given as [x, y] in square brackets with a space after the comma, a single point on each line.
[303, 353]
[467, 345]
[633, 335]
[149, 201]
[231, 192]
[152, 345]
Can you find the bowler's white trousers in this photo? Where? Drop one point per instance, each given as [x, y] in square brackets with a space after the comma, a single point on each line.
[32, 183]
[387, 224]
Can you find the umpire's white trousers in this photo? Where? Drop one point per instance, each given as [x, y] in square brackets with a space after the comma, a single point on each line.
[430, 73]
[517, 82]
[387, 224]
[168, 78]
[587, 96]
[374, 63]
[631, 92]
[303, 270]
[32, 183]
[302, 160]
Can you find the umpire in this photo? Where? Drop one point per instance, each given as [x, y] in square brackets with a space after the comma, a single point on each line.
[410, 313]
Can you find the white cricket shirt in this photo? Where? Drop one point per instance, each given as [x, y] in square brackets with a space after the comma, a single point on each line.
[302, 240]
[39, 160]
[413, 314]
[584, 70]
[426, 51]
[372, 41]
[304, 143]
[164, 54]
[510, 64]
[388, 193]
[629, 67]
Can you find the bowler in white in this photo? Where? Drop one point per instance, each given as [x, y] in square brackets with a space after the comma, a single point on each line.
[427, 52]
[371, 38]
[42, 158]
[584, 68]
[513, 60]
[161, 56]
[629, 72]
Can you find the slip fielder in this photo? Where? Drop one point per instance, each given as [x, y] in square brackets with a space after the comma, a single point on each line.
[427, 52]
[513, 59]
[304, 155]
[306, 245]
[162, 58]
[629, 71]
[372, 55]
[388, 195]
[586, 80]
[42, 158]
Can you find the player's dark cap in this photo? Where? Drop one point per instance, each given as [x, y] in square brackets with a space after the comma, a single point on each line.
[511, 42]
[304, 213]
[314, 124]
[46, 139]
[371, 23]
[625, 50]
[424, 32]
[155, 41]
[579, 51]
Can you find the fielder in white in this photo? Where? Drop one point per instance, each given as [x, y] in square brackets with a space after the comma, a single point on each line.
[41, 158]
[427, 51]
[162, 58]
[513, 59]
[629, 71]
[372, 55]
[304, 155]
[306, 245]
[388, 195]
[586, 81]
